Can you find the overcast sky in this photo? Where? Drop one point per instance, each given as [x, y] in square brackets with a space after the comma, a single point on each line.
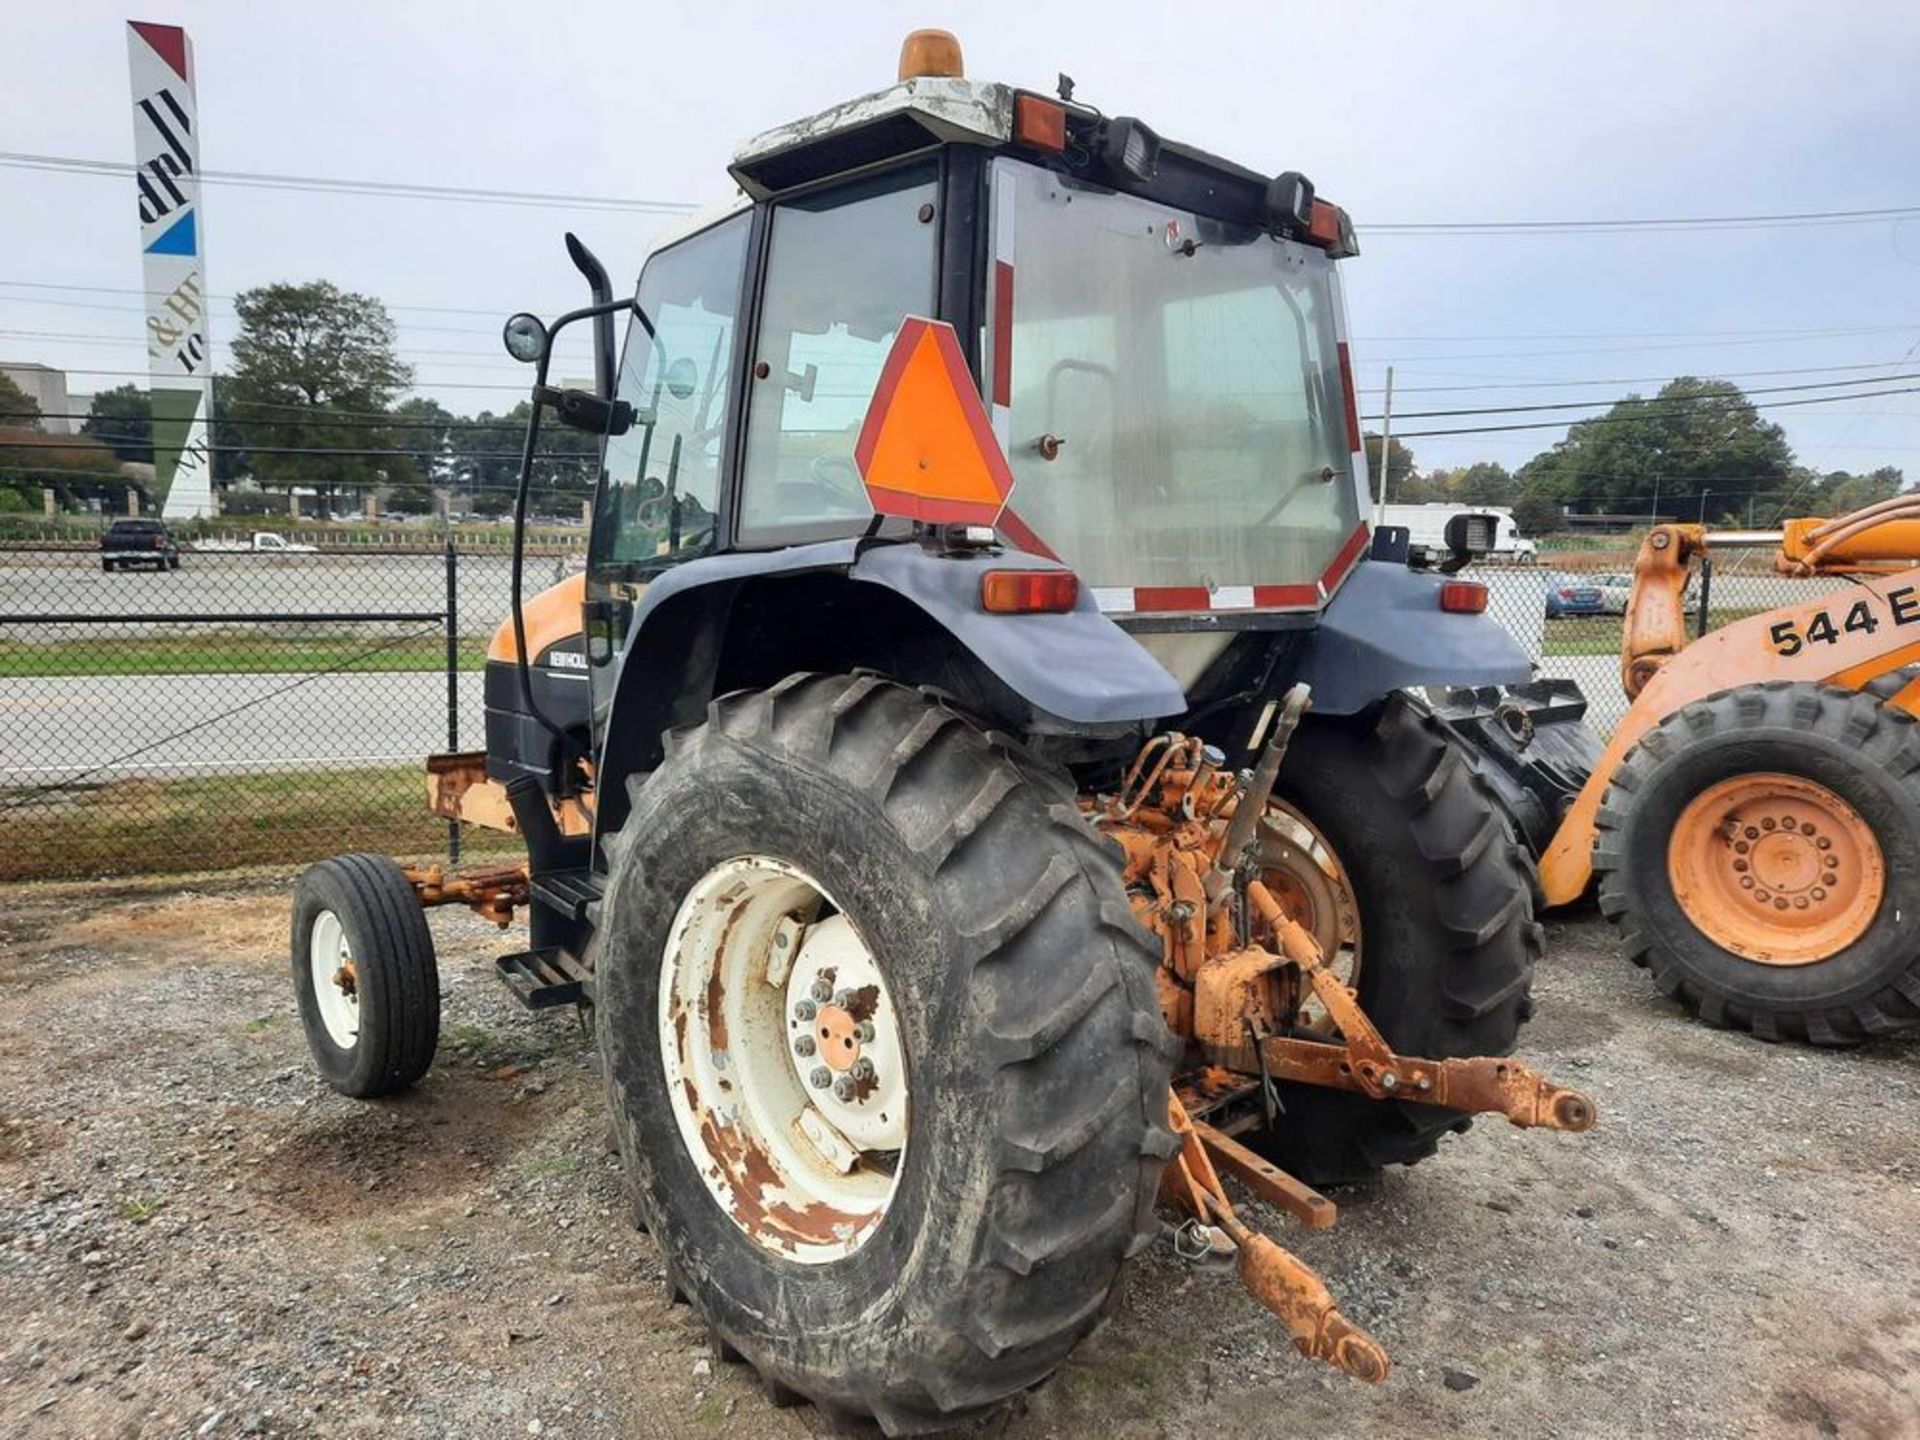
[1399, 111]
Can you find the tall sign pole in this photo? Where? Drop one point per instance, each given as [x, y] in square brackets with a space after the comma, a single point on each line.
[166, 152]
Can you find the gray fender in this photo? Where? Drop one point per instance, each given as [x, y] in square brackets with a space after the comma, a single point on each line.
[1384, 630]
[1078, 666]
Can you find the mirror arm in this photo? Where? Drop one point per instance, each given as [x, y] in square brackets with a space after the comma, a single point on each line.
[588, 264]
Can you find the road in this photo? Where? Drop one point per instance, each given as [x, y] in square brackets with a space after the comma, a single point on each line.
[169, 725]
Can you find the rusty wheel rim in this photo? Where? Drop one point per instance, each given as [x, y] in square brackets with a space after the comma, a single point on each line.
[1776, 868]
[784, 1059]
[1305, 875]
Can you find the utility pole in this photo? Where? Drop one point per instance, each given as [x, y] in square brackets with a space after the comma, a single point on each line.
[1386, 451]
[1703, 505]
[1653, 515]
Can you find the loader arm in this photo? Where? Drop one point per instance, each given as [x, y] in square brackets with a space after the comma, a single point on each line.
[1848, 638]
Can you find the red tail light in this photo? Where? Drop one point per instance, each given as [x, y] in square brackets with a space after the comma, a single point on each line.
[1029, 592]
[159, 542]
[1463, 597]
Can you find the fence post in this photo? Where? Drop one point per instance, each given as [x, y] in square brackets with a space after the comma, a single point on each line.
[453, 679]
[1706, 590]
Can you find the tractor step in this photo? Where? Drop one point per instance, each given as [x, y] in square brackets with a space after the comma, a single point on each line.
[544, 978]
[569, 891]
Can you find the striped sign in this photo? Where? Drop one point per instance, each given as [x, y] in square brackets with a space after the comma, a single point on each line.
[167, 184]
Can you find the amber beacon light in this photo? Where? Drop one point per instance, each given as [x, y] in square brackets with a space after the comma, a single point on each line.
[931, 52]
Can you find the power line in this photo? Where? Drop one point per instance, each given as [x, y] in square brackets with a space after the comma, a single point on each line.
[325, 185]
[1623, 380]
[134, 290]
[1650, 414]
[1654, 400]
[1788, 219]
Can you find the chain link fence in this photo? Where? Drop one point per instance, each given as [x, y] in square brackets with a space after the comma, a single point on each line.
[1568, 612]
[251, 708]
[243, 708]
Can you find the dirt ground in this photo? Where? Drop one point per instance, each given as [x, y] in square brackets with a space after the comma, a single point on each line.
[197, 1239]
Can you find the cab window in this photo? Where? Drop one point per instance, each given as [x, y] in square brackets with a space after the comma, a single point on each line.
[660, 493]
[844, 267]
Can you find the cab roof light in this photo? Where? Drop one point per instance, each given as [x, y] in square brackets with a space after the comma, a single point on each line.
[1040, 123]
[1029, 592]
[1129, 147]
[1463, 597]
[931, 53]
[1323, 226]
[1290, 202]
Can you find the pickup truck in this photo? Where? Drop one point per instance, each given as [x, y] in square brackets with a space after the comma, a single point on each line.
[138, 542]
[264, 542]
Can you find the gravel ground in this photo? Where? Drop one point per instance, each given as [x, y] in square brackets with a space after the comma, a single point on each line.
[197, 1239]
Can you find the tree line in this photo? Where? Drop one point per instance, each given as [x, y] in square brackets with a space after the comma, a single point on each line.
[312, 401]
[1697, 449]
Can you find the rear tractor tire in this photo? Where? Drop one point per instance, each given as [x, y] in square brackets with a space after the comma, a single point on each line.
[1759, 853]
[884, 1052]
[365, 975]
[1438, 929]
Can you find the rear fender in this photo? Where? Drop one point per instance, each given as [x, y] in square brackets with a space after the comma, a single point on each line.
[1385, 631]
[746, 620]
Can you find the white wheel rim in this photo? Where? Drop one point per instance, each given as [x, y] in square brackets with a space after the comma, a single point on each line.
[335, 981]
[766, 989]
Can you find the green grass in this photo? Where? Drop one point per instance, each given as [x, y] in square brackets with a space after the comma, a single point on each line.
[218, 822]
[1601, 634]
[233, 652]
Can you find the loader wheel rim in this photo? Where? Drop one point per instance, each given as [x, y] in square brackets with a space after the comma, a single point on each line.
[1776, 868]
[785, 1066]
[1299, 865]
[334, 978]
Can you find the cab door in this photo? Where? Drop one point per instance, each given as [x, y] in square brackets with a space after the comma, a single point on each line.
[659, 499]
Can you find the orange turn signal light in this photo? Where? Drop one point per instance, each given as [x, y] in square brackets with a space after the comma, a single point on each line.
[1029, 592]
[1324, 228]
[1040, 123]
[1463, 597]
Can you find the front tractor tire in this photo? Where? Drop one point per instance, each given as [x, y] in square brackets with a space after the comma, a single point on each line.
[1759, 854]
[1438, 920]
[365, 976]
[886, 1063]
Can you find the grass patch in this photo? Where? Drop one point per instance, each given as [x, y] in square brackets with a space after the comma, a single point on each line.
[551, 1167]
[220, 822]
[138, 1209]
[233, 652]
[1602, 634]
[260, 1024]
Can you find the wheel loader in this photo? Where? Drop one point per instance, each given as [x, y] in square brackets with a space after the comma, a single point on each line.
[1753, 823]
[976, 788]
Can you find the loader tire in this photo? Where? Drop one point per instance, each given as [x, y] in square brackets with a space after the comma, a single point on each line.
[1445, 903]
[999, 953]
[1824, 752]
[375, 1032]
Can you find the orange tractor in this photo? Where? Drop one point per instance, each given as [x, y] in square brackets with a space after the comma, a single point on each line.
[1754, 820]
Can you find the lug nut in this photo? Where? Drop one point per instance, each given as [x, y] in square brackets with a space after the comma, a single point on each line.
[1741, 847]
[863, 1032]
[1746, 882]
[1789, 823]
[862, 1069]
[803, 1009]
[803, 1046]
[843, 998]
[1799, 902]
[1752, 834]
[1389, 1081]
[821, 991]
[1768, 823]
[1779, 904]
[1818, 893]
[820, 1078]
[843, 1089]
[1740, 865]
[1823, 842]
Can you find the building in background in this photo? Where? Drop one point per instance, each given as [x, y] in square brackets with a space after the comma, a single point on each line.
[62, 412]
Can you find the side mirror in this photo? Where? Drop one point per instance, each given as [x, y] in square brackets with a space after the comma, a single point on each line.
[578, 410]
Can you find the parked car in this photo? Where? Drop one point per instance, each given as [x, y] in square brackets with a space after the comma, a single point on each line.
[1574, 595]
[138, 542]
[264, 542]
[1615, 591]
